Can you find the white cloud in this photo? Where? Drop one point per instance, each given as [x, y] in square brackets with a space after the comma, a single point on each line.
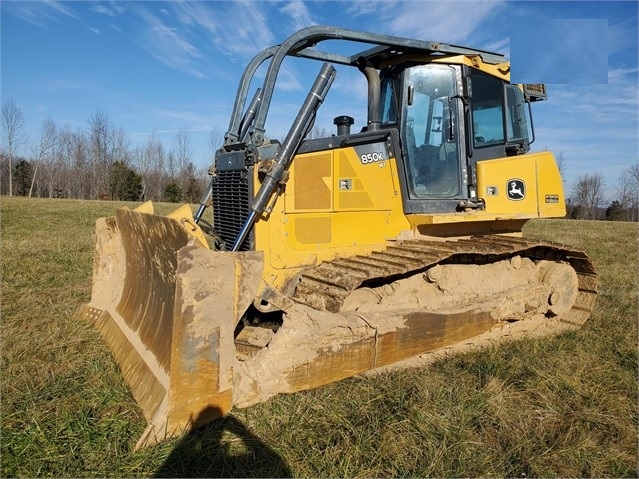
[239, 28]
[449, 22]
[99, 8]
[39, 13]
[111, 9]
[621, 74]
[299, 14]
[115, 27]
[363, 8]
[288, 79]
[168, 44]
[249, 34]
[622, 35]
[52, 84]
[102, 9]
[594, 126]
[196, 15]
[497, 46]
[190, 120]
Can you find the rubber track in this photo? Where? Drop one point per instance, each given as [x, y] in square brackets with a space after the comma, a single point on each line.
[326, 286]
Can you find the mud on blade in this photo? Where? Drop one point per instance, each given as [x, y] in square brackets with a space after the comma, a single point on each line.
[152, 285]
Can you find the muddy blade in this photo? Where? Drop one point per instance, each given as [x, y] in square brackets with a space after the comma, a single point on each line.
[166, 308]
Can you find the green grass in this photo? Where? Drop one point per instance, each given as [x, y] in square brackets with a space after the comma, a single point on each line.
[562, 406]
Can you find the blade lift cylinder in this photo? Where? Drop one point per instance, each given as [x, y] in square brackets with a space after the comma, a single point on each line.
[291, 144]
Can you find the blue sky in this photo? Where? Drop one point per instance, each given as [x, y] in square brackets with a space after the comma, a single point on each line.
[161, 66]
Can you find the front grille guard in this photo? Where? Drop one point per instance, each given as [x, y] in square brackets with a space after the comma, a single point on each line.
[231, 194]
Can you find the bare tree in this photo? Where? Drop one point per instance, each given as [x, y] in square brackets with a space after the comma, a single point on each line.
[215, 141]
[64, 162]
[43, 153]
[561, 165]
[120, 146]
[587, 195]
[171, 165]
[183, 152]
[317, 132]
[13, 137]
[82, 180]
[138, 160]
[195, 184]
[628, 192]
[100, 161]
[152, 164]
[118, 160]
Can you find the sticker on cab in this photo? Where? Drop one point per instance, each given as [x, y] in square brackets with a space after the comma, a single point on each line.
[372, 153]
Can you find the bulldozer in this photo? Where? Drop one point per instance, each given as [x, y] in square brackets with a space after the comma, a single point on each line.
[328, 257]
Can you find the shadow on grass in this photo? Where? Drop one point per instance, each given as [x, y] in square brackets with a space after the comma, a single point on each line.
[223, 448]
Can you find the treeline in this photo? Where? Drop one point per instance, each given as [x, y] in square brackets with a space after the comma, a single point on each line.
[99, 163]
[587, 197]
[95, 163]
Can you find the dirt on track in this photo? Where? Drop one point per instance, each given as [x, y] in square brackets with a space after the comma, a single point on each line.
[327, 286]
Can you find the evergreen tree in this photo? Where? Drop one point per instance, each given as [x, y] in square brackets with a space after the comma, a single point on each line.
[615, 212]
[172, 193]
[22, 175]
[194, 191]
[125, 184]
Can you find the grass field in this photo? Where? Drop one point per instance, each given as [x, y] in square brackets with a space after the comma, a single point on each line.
[557, 407]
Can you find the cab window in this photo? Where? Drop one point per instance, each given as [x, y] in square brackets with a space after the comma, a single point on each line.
[388, 101]
[488, 110]
[433, 164]
[496, 122]
[517, 123]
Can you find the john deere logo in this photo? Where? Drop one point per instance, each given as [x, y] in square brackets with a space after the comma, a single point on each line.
[516, 189]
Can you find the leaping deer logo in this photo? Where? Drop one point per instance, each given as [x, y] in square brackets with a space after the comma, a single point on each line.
[516, 189]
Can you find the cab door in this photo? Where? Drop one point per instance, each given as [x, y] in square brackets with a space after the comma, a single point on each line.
[434, 160]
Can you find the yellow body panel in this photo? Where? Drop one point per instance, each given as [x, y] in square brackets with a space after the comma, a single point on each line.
[500, 70]
[334, 205]
[542, 195]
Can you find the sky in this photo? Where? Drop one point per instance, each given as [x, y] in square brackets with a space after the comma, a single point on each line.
[154, 68]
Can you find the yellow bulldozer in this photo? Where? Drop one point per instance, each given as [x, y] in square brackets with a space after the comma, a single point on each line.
[329, 257]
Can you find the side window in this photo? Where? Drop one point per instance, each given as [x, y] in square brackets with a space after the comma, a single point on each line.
[389, 103]
[488, 110]
[516, 118]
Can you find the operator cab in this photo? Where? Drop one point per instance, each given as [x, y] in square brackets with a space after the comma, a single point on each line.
[449, 117]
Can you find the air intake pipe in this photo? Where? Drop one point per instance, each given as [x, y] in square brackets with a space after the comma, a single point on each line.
[343, 124]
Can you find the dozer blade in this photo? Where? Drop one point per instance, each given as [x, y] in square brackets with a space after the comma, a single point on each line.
[167, 307]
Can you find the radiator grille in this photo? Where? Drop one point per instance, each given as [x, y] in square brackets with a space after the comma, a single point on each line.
[231, 199]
